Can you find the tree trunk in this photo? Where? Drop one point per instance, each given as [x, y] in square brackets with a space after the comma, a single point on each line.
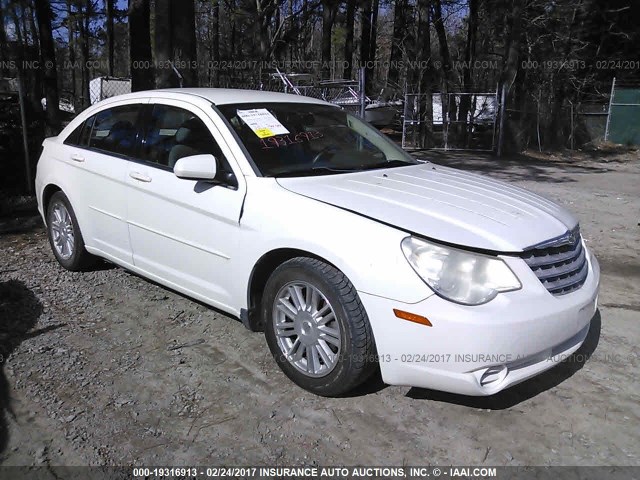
[48, 53]
[71, 27]
[33, 28]
[329, 9]
[510, 69]
[558, 126]
[233, 35]
[469, 58]
[183, 39]
[215, 39]
[425, 82]
[84, 22]
[292, 26]
[399, 26]
[32, 83]
[3, 43]
[264, 13]
[165, 76]
[36, 81]
[449, 105]
[365, 33]
[348, 42]
[373, 45]
[110, 39]
[25, 28]
[140, 45]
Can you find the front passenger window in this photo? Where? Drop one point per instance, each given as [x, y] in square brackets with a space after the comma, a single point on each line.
[175, 133]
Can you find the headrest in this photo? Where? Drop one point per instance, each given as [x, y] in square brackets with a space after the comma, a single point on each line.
[122, 125]
[190, 130]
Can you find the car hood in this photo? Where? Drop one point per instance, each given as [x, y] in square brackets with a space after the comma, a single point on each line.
[443, 204]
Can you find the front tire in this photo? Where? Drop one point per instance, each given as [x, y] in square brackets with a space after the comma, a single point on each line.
[316, 327]
[64, 235]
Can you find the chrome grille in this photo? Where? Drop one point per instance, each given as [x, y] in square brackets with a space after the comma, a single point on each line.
[561, 265]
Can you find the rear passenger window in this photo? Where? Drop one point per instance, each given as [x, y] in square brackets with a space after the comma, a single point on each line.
[114, 130]
[175, 133]
[74, 138]
[80, 136]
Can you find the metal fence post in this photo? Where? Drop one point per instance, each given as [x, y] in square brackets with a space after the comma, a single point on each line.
[613, 90]
[404, 117]
[361, 84]
[495, 121]
[572, 127]
[25, 140]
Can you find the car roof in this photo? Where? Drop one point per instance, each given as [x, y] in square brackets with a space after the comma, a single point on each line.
[223, 96]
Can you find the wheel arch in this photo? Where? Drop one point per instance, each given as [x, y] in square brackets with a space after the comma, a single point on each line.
[260, 273]
[47, 193]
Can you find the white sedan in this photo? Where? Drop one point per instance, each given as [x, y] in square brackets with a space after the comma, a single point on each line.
[305, 222]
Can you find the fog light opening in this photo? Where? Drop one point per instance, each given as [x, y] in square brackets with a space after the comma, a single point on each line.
[493, 375]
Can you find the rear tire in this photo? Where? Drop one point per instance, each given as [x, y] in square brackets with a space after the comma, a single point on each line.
[64, 235]
[316, 327]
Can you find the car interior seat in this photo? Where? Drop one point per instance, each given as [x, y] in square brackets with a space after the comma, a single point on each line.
[121, 137]
[192, 138]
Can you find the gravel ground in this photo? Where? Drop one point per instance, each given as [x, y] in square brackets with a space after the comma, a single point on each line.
[107, 368]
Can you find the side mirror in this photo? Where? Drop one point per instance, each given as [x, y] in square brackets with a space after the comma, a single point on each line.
[196, 167]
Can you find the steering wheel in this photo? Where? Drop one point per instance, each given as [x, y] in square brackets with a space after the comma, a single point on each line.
[330, 149]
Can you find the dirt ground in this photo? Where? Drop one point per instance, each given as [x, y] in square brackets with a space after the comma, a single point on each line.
[107, 368]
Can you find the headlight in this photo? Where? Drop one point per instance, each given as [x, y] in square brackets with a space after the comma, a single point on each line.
[458, 275]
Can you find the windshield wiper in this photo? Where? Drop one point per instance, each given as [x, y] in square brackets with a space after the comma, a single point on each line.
[331, 170]
[315, 171]
[386, 164]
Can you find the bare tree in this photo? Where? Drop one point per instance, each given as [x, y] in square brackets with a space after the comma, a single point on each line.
[425, 84]
[348, 42]
[183, 36]
[329, 9]
[510, 68]
[85, 13]
[48, 53]
[140, 45]
[373, 44]
[397, 45]
[215, 38]
[110, 39]
[3, 42]
[165, 76]
[365, 36]
[469, 57]
[263, 10]
[448, 103]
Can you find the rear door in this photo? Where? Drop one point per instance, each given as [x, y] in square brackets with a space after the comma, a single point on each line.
[101, 150]
[182, 231]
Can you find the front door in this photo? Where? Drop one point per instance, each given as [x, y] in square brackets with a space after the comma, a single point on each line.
[182, 231]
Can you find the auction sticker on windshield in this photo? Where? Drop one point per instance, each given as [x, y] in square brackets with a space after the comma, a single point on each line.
[262, 122]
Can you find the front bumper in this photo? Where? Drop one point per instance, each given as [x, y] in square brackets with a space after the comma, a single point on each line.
[481, 350]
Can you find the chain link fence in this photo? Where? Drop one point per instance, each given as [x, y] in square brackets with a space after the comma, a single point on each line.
[460, 121]
[101, 88]
[623, 119]
[345, 93]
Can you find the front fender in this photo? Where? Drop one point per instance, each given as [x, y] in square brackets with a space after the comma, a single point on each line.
[366, 251]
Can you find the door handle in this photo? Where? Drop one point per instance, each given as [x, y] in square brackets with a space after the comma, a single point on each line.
[140, 177]
[76, 157]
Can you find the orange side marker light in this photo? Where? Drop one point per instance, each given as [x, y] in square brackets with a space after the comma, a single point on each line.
[412, 317]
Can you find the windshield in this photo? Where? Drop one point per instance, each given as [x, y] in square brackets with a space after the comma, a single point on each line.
[297, 139]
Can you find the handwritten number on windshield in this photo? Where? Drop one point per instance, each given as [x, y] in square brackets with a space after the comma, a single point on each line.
[286, 140]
